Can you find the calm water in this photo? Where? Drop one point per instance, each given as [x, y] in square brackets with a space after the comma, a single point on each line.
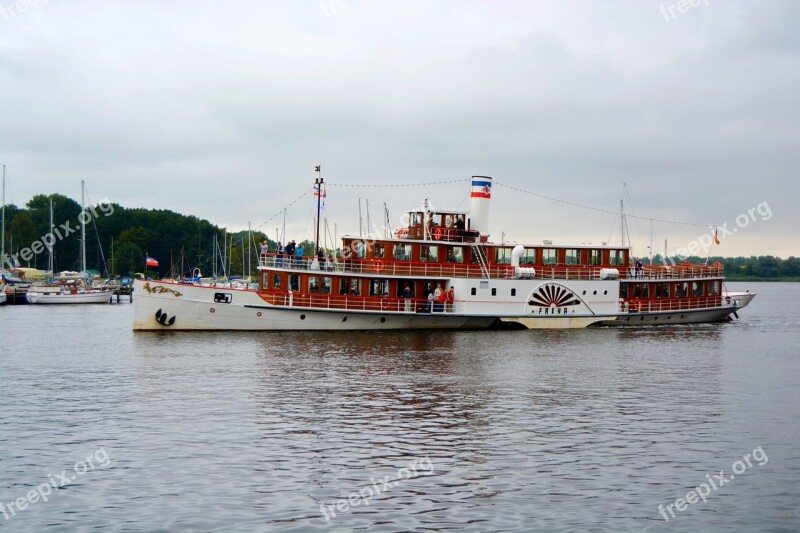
[531, 430]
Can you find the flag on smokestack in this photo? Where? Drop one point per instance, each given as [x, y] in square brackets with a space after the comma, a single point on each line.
[150, 262]
[481, 188]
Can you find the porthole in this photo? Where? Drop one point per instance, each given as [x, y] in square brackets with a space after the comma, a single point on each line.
[513, 292]
[302, 317]
[212, 310]
[683, 316]
[642, 319]
[258, 314]
[344, 318]
[584, 293]
[605, 292]
[595, 293]
[669, 318]
[383, 319]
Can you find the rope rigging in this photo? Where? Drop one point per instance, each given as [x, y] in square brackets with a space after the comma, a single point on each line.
[601, 210]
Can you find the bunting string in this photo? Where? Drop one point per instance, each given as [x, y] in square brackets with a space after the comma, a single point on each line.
[599, 209]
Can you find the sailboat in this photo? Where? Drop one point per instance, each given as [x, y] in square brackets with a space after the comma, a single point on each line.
[70, 287]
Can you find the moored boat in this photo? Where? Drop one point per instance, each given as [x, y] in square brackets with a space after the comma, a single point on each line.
[441, 271]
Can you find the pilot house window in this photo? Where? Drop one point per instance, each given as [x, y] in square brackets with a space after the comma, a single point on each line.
[549, 256]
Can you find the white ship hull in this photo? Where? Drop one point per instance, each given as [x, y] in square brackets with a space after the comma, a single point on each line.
[162, 306]
[59, 297]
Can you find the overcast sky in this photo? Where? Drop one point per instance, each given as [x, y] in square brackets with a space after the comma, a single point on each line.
[222, 109]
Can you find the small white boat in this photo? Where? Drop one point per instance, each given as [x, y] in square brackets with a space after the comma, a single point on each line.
[68, 295]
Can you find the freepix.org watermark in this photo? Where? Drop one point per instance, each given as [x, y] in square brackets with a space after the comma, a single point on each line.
[57, 233]
[42, 492]
[10, 10]
[702, 245]
[671, 11]
[416, 468]
[715, 482]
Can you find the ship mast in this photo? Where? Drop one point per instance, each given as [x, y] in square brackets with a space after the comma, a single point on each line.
[318, 189]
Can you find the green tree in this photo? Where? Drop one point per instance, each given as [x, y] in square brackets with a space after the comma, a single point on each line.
[128, 258]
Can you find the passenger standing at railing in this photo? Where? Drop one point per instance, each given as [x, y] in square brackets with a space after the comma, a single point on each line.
[279, 254]
[289, 251]
[264, 251]
[407, 296]
[639, 269]
[451, 297]
[429, 297]
[299, 255]
[439, 298]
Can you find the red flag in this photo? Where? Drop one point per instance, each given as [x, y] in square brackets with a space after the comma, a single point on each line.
[151, 262]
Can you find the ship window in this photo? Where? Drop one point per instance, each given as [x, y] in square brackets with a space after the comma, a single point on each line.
[641, 290]
[359, 249]
[402, 252]
[344, 286]
[379, 287]
[714, 289]
[662, 290]
[615, 258]
[698, 289]
[494, 291]
[595, 258]
[513, 292]
[294, 283]
[313, 284]
[681, 290]
[623, 290]
[429, 253]
[528, 257]
[549, 256]
[455, 254]
[326, 285]
[504, 256]
[572, 256]
[473, 291]
[378, 251]
[276, 281]
[355, 287]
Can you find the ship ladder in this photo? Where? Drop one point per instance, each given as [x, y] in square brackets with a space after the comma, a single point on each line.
[481, 255]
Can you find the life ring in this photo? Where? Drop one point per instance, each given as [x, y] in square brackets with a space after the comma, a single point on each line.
[378, 265]
[437, 234]
[402, 233]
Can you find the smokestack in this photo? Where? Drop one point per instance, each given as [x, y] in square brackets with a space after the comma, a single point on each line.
[479, 204]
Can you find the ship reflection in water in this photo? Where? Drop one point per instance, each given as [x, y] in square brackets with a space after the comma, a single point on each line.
[523, 430]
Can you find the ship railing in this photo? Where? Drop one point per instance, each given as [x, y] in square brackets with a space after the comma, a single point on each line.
[362, 303]
[672, 304]
[657, 272]
[475, 270]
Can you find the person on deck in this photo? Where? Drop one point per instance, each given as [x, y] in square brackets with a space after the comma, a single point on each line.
[407, 296]
[451, 297]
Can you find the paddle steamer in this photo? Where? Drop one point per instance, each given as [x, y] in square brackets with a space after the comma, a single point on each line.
[382, 283]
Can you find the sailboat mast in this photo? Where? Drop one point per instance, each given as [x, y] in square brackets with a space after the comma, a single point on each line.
[83, 227]
[50, 264]
[3, 234]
